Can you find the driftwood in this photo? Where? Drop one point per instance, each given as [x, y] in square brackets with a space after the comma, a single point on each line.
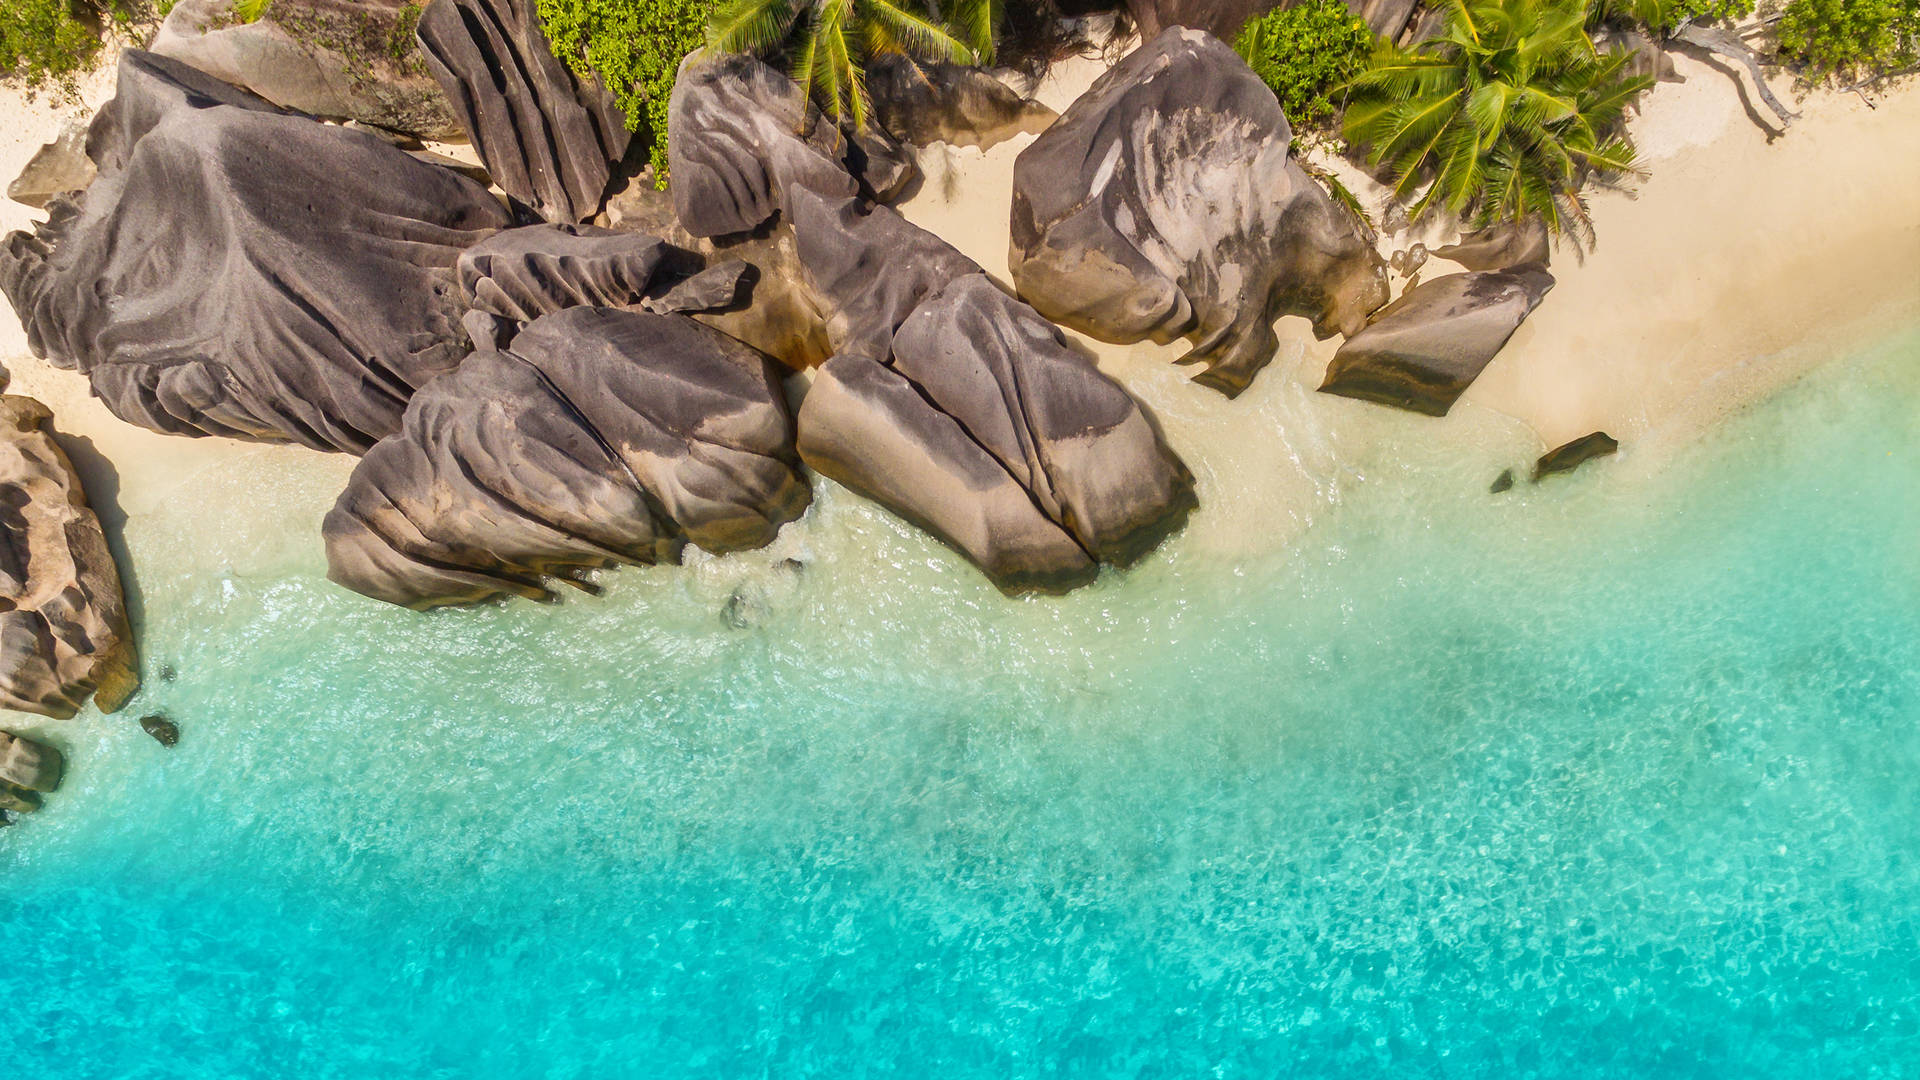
[1720, 41]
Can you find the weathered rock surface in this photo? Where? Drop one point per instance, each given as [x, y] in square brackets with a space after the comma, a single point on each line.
[1221, 18]
[242, 271]
[28, 764]
[1501, 247]
[63, 621]
[1570, 456]
[344, 59]
[1163, 204]
[599, 437]
[1424, 350]
[988, 431]
[56, 168]
[522, 274]
[923, 104]
[549, 138]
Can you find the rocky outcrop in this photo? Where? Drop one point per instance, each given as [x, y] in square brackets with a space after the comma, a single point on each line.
[242, 271]
[1221, 18]
[1500, 247]
[925, 103]
[986, 430]
[1570, 456]
[1424, 350]
[63, 622]
[58, 167]
[1163, 204]
[343, 59]
[27, 770]
[548, 137]
[522, 274]
[599, 437]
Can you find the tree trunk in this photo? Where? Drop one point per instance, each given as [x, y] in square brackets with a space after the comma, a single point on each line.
[1724, 43]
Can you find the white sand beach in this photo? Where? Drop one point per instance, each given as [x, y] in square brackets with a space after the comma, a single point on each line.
[1733, 265]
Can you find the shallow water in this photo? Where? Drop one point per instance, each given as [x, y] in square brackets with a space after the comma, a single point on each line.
[1612, 777]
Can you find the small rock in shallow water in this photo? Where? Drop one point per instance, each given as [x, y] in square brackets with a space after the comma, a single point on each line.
[1503, 482]
[27, 764]
[1574, 454]
[164, 731]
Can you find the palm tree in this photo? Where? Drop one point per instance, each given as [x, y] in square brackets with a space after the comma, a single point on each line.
[830, 42]
[1504, 116]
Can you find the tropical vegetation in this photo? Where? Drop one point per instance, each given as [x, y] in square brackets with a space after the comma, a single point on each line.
[635, 46]
[1307, 53]
[54, 40]
[1850, 37]
[828, 43]
[1504, 116]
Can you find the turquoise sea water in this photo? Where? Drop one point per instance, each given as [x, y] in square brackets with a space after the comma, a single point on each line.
[1615, 777]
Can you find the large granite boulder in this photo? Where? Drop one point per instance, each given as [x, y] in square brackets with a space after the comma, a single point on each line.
[56, 168]
[925, 103]
[548, 137]
[522, 274]
[1164, 204]
[992, 434]
[599, 437]
[28, 764]
[1424, 350]
[1499, 247]
[1221, 18]
[238, 270]
[342, 59]
[63, 627]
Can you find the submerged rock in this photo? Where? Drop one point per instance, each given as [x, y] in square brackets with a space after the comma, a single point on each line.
[58, 167]
[1570, 456]
[345, 59]
[988, 431]
[599, 437]
[1423, 351]
[925, 103]
[242, 271]
[63, 627]
[164, 731]
[548, 137]
[1502, 483]
[1164, 204]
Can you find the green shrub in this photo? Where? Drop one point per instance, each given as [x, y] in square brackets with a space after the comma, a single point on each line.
[635, 47]
[1663, 16]
[1306, 54]
[48, 40]
[1850, 36]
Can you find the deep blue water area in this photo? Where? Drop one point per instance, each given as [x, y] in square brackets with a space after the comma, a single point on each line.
[1611, 777]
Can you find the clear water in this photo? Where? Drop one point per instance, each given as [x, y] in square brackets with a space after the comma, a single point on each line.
[1610, 778]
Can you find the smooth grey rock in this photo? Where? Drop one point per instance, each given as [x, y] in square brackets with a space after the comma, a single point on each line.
[346, 59]
[1570, 456]
[600, 437]
[549, 138]
[525, 273]
[1221, 18]
[1424, 350]
[241, 271]
[164, 731]
[989, 432]
[1163, 204]
[28, 764]
[925, 103]
[56, 168]
[63, 628]
[1500, 247]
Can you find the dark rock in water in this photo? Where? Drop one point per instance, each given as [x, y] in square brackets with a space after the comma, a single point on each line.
[1424, 350]
[1221, 18]
[1500, 247]
[28, 764]
[600, 437]
[63, 621]
[990, 433]
[548, 137]
[56, 168]
[1502, 483]
[1571, 456]
[925, 103]
[1164, 204]
[164, 731]
[347, 59]
[245, 272]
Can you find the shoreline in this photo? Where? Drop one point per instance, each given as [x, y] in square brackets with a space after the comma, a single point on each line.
[1736, 265]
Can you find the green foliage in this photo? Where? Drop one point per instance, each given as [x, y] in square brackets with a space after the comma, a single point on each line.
[635, 47]
[49, 40]
[1503, 117]
[828, 43]
[1663, 16]
[1306, 54]
[249, 11]
[1842, 37]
